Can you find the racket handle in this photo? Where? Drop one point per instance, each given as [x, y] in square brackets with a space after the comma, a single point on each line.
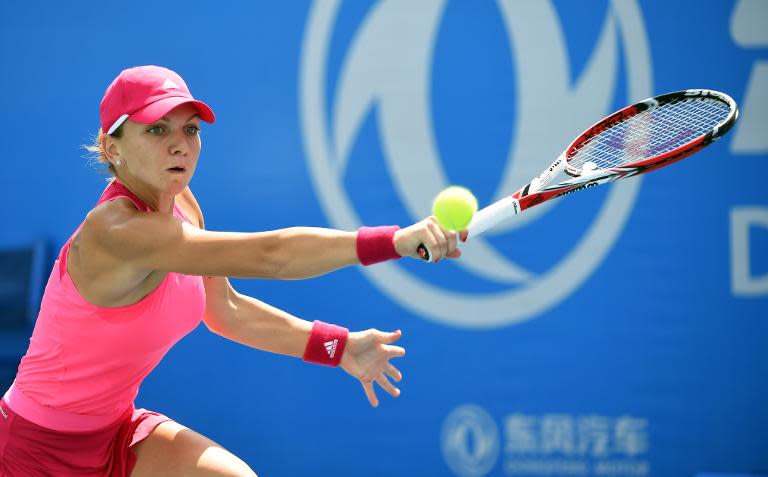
[492, 215]
[485, 218]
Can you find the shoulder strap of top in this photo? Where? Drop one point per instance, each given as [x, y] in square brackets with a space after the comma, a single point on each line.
[117, 189]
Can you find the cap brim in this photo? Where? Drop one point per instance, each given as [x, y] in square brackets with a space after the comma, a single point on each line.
[155, 111]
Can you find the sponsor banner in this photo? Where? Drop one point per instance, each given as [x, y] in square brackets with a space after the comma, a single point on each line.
[474, 444]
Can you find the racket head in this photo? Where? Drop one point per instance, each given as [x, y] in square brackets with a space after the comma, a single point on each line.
[652, 133]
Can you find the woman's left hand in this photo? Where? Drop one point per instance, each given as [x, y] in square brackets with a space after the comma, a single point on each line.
[366, 357]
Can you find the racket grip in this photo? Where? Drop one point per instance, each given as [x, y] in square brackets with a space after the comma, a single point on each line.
[492, 215]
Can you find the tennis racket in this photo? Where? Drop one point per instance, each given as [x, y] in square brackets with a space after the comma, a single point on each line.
[637, 139]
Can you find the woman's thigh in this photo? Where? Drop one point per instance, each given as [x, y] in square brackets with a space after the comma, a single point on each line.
[174, 450]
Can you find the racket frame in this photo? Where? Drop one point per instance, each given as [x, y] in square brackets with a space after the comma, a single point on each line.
[539, 190]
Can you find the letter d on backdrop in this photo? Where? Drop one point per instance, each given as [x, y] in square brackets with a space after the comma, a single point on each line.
[743, 282]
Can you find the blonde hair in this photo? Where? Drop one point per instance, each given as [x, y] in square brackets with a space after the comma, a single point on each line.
[96, 154]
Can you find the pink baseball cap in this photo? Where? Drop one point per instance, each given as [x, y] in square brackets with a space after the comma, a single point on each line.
[145, 94]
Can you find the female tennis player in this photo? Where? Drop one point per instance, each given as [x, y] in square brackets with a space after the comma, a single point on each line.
[141, 272]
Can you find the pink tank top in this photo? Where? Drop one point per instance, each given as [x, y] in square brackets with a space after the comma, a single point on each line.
[85, 362]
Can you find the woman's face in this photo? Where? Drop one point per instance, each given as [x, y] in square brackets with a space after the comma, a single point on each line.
[162, 156]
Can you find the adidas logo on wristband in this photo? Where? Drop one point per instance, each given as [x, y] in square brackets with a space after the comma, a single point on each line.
[326, 344]
[330, 347]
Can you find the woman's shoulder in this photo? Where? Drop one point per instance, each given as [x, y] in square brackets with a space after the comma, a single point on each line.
[111, 213]
[106, 220]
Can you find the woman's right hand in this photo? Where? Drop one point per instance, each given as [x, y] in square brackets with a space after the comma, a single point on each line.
[440, 242]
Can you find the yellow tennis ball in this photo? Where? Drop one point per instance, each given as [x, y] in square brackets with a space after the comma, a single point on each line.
[454, 207]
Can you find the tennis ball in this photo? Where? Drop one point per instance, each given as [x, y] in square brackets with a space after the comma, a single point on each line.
[454, 207]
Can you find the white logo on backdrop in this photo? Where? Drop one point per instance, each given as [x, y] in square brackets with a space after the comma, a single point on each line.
[744, 283]
[470, 441]
[387, 67]
[749, 32]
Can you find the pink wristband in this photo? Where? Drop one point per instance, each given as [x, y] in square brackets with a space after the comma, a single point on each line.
[376, 244]
[326, 344]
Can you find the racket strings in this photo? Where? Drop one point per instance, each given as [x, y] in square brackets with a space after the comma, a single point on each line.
[650, 133]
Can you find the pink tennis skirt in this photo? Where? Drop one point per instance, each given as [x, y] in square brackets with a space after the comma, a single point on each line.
[29, 450]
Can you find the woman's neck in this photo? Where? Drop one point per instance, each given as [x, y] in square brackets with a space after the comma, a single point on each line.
[156, 200]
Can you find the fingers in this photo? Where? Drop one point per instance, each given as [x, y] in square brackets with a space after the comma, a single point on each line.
[372, 364]
[370, 393]
[386, 338]
[384, 383]
[452, 237]
[447, 241]
[440, 242]
[391, 337]
[435, 238]
[387, 386]
[455, 254]
[394, 351]
[393, 373]
[442, 239]
[458, 237]
[432, 240]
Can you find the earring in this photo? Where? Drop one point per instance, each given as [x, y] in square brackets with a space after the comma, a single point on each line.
[119, 162]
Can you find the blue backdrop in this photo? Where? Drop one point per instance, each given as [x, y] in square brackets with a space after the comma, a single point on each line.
[619, 332]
